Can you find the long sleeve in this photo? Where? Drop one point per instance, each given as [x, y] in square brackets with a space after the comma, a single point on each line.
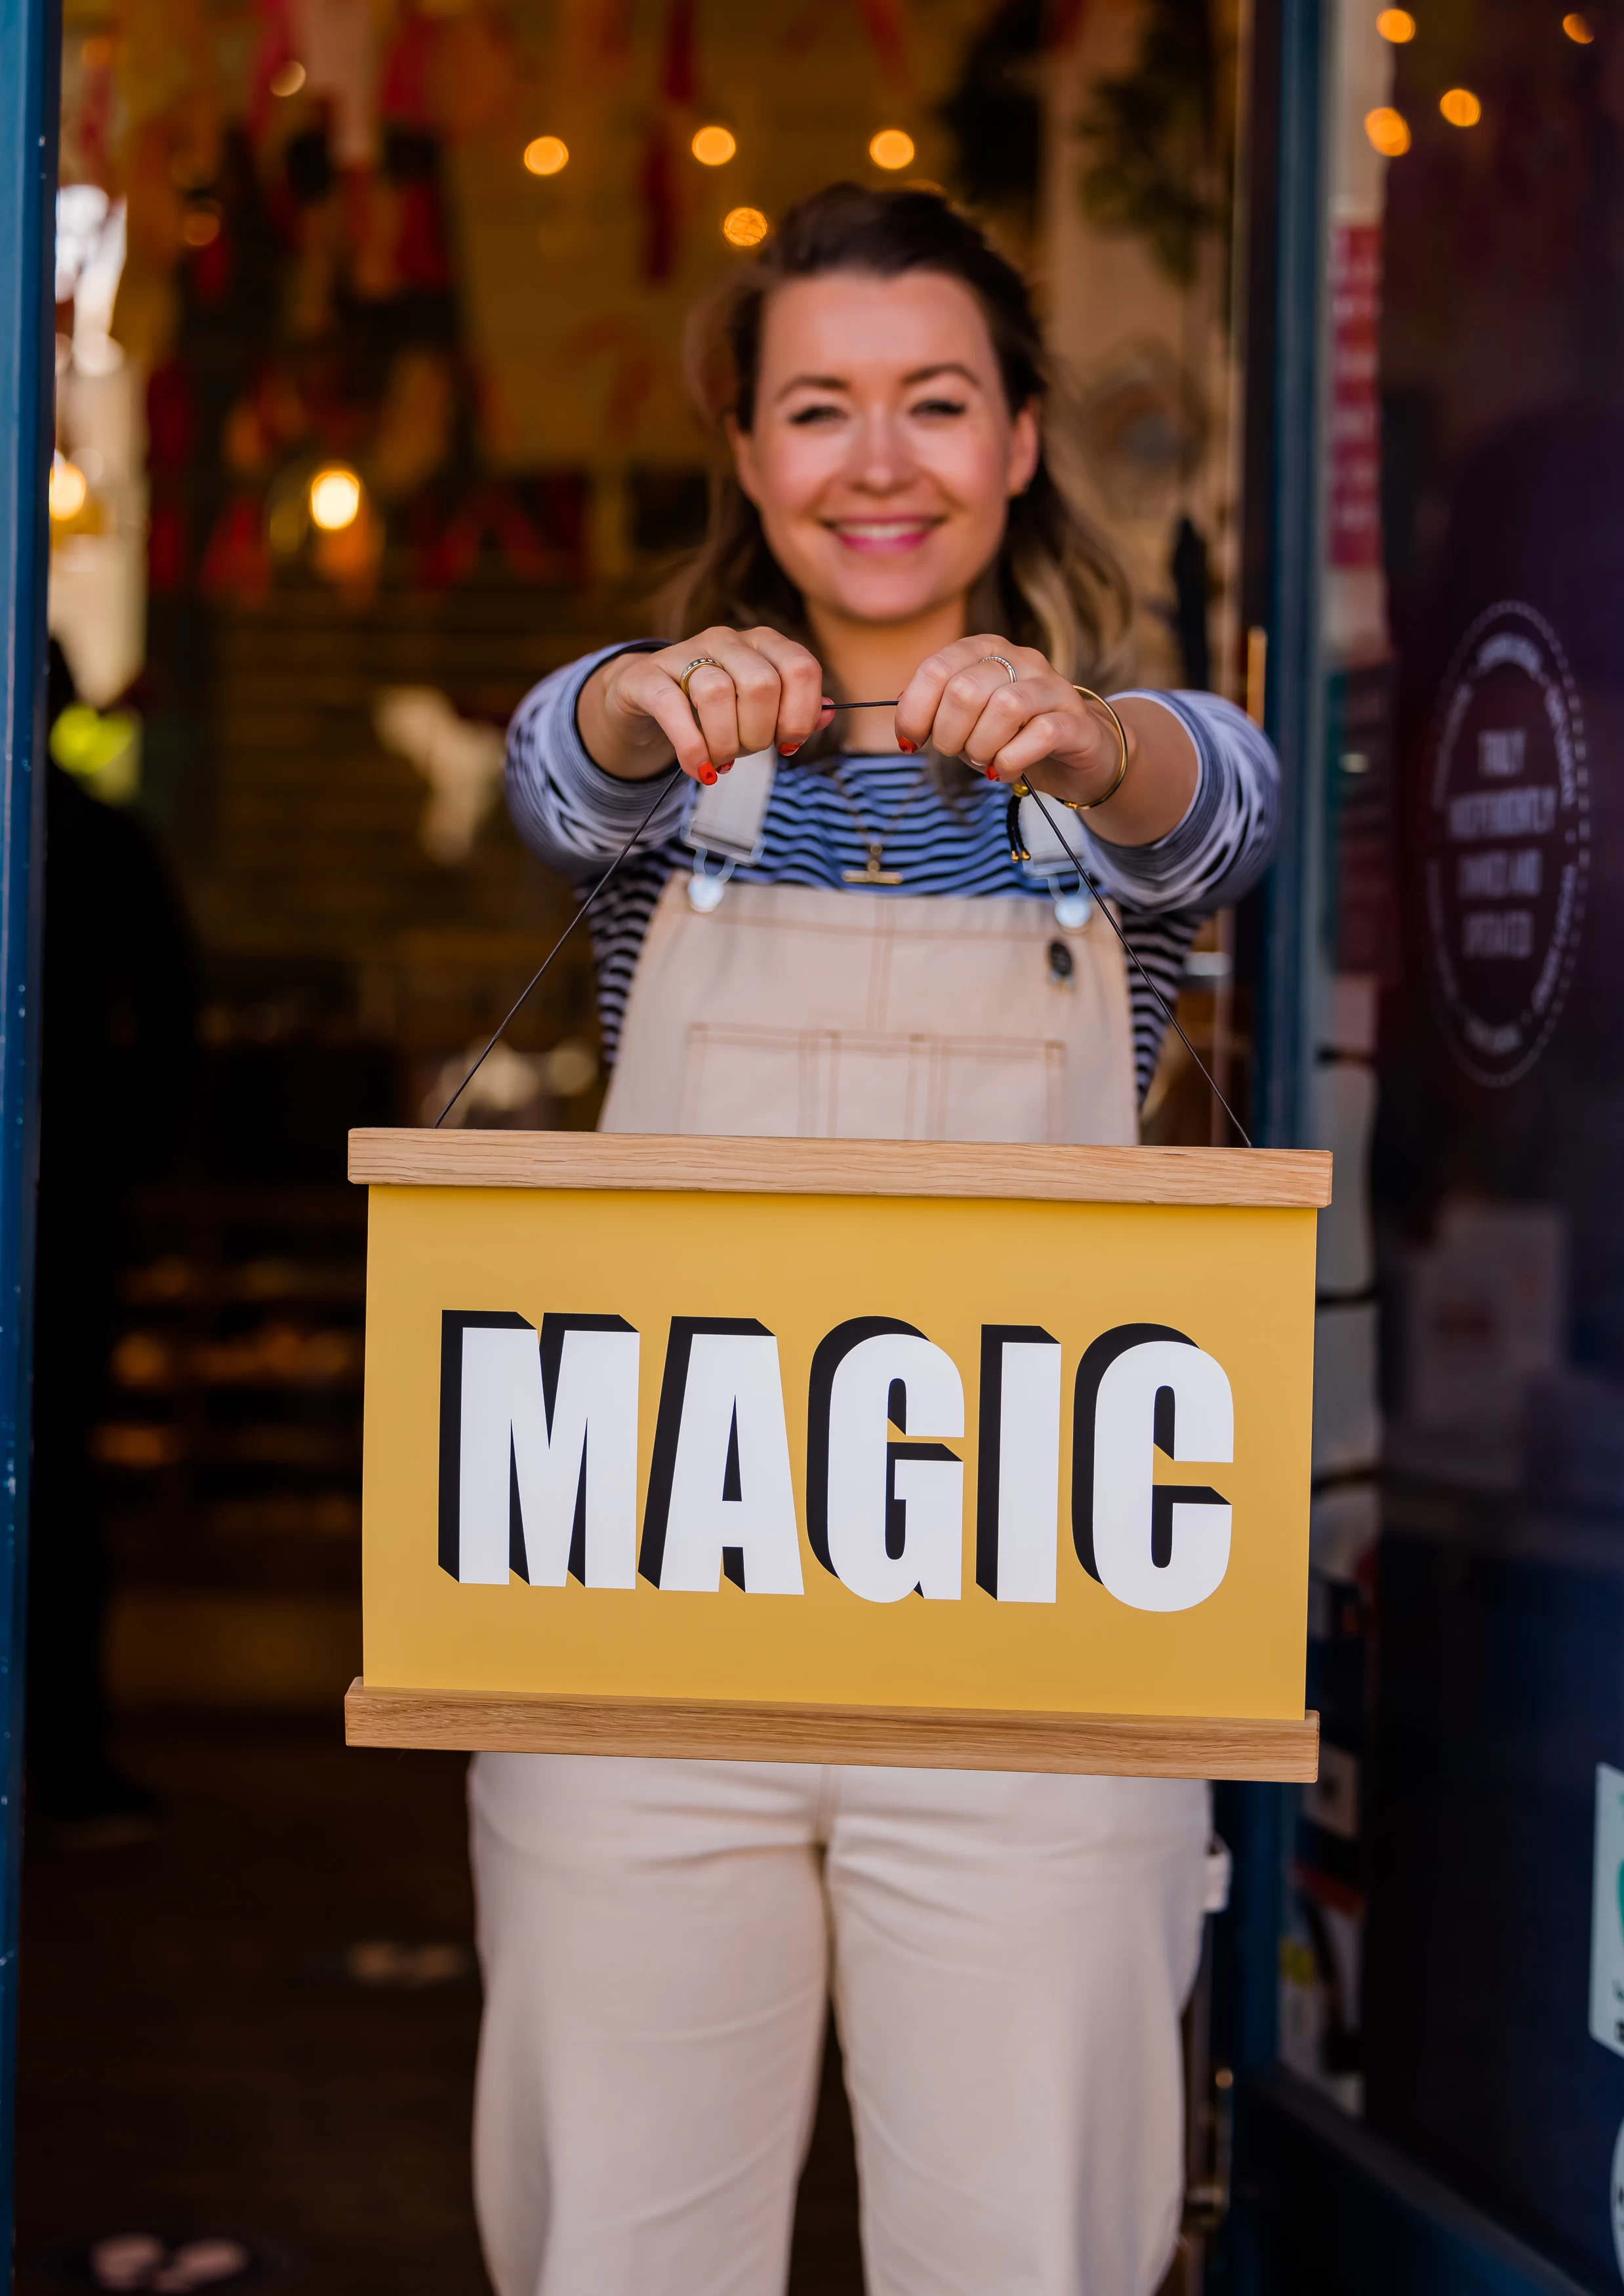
[1227, 839]
[576, 817]
[563, 803]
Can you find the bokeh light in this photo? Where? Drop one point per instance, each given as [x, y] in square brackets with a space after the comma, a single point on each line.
[1387, 130]
[892, 147]
[1397, 25]
[69, 488]
[103, 752]
[713, 147]
[1460, 107]
[288, 80]
[335, 497]
[200, 226]
[545, 155]
[744, 226]
[1580, 29]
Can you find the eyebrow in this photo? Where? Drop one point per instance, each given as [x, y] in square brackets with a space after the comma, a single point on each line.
[919, 374]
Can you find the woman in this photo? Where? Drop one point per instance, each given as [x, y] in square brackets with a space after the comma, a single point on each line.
[846, 945]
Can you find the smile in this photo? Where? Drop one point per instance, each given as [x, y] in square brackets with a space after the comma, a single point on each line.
[882, 536]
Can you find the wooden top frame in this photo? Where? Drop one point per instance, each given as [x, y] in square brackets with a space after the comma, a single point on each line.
[1281, 1179]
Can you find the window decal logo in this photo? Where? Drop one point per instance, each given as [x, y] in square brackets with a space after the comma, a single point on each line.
[1506, 843]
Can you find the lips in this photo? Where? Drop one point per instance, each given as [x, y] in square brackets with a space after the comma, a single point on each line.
[882, 538]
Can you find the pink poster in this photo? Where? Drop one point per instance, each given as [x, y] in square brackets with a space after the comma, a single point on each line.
[1355, 508]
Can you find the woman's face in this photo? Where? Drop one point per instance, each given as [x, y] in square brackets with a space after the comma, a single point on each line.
[883, 455]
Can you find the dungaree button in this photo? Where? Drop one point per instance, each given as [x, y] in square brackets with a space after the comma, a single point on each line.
[1063, 964]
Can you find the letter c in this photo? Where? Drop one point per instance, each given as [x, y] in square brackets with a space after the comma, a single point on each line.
[1140, 1388]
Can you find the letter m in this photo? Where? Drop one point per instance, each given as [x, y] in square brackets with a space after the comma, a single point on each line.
[538, 1449]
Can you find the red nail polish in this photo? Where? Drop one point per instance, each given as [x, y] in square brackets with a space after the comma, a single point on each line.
[707, 774]
[990, 775]
[903, 743]
[728, 768]
[788, 749]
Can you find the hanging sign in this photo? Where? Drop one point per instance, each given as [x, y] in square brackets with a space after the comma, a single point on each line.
[839, 1450]
[1507, 843]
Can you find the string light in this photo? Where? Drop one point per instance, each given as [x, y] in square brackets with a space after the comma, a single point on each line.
[1579, 29]
[892, 147]
[545, 155]
[335, 497]
[69, 488]
[1460, 107]
[744, 226]
[1397, 25]
[714, 147]
[288, 80]
[1387, 130]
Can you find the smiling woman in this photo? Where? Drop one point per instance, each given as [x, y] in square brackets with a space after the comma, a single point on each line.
[892, 951]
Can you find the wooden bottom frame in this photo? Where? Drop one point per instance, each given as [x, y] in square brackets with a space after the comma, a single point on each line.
[1115, 1745]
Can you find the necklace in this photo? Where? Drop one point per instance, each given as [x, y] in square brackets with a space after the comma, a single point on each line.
[872, 874]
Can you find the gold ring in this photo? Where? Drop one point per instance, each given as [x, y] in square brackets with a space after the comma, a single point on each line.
[700, 661]
[1009, 665]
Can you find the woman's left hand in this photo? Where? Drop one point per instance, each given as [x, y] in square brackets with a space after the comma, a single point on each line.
[1035, 726]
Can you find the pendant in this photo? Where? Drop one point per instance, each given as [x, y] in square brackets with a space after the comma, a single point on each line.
[873, 875]
[1072, 911]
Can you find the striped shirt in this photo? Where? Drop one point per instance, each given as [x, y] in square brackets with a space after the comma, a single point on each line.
[576, 817]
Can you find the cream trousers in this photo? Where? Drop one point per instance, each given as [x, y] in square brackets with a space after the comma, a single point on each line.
[1008, 1956]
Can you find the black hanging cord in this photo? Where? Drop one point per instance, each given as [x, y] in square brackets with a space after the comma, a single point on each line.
[581, 911]
[659, 795]
[1167, 1011]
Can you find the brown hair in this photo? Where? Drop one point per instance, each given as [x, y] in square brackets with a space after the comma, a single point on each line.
[1056, 582]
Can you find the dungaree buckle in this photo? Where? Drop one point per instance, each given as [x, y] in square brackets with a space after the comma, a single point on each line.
[704, 891]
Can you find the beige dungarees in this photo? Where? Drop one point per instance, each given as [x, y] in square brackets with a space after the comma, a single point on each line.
[1008, 1954]
[804, 1012]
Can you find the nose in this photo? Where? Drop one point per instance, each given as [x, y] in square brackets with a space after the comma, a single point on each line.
[880, 463]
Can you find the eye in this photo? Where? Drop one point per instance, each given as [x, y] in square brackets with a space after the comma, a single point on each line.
[939, 406]
[805, 416]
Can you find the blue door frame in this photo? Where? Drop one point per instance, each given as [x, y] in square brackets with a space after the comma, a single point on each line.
[31, 59]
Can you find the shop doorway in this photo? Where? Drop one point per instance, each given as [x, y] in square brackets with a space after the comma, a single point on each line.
[370, 412]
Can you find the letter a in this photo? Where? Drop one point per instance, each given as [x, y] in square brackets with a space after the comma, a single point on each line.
[721, 1501]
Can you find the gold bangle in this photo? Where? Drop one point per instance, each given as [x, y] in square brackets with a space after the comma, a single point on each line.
[1121, 774]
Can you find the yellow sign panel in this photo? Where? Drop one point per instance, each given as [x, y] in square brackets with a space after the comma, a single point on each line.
[753, 1439]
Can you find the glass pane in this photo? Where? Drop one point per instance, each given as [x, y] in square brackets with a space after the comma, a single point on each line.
[1468, 1628]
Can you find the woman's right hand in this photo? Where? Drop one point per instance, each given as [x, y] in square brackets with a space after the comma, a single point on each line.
[757, 689]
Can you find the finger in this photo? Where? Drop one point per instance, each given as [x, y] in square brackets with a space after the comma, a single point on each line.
[756, 690]
[800, 688]
[1080, 748]
[713, 702]
[922, 696]
[1003, 715]
[966, 696]
[1034, 745]
[917, 703]
[659, 697]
